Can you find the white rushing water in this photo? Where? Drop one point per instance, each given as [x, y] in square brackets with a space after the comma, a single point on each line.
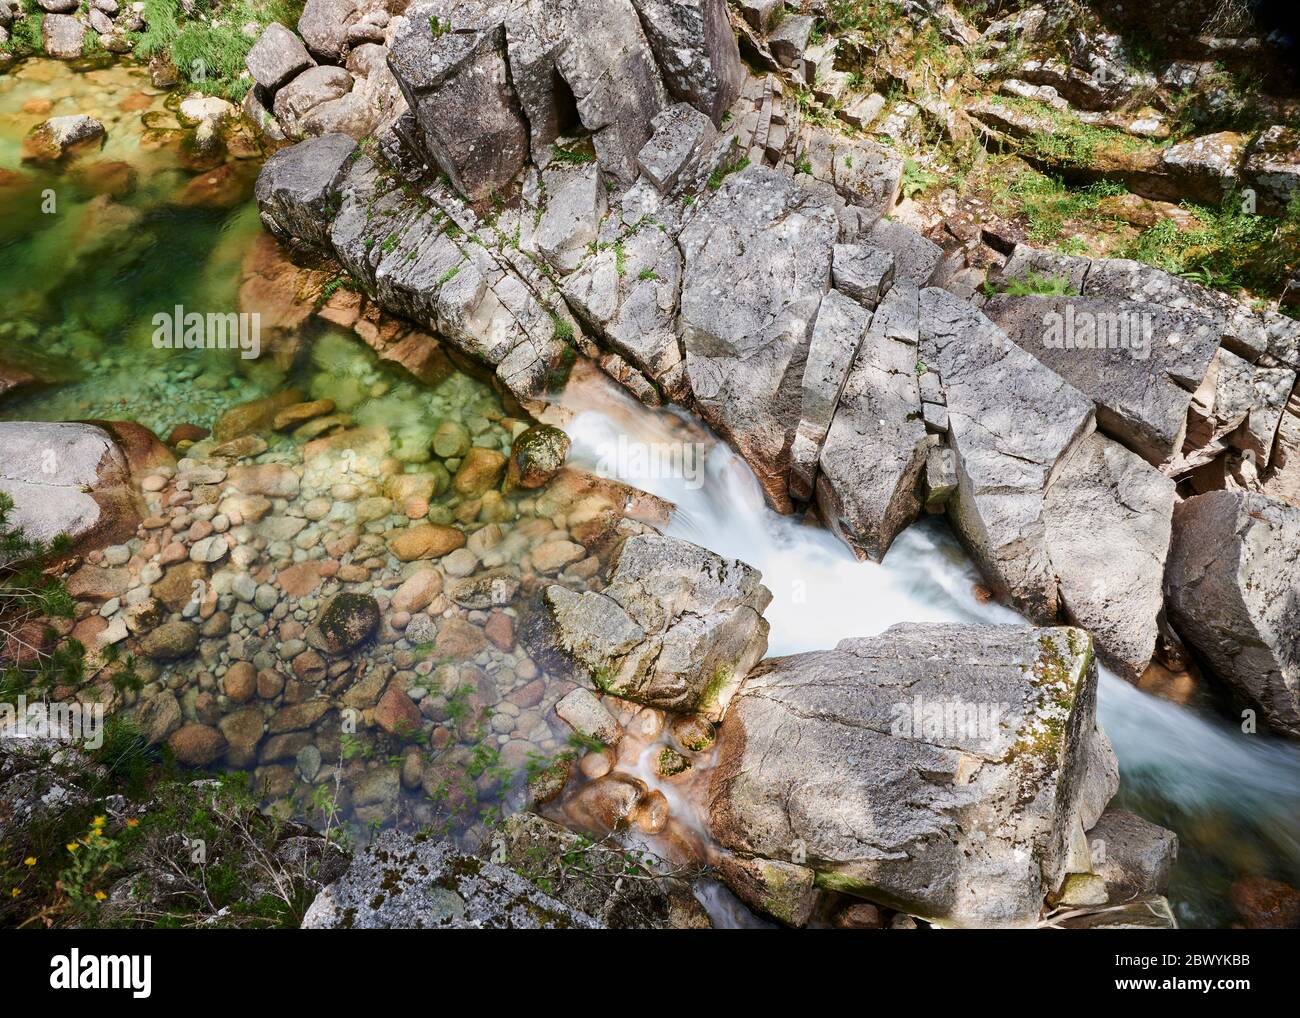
[1234, 799]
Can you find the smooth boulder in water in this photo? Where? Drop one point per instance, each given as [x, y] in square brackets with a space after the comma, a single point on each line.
[536, 456]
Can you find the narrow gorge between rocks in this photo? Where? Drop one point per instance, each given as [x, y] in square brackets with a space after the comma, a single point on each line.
[544, 463]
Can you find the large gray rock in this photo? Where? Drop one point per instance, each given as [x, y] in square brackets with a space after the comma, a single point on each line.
[682, 138]
[535, 33]
[1011, 422]
[456, 80]
[67, 479]
[574, 203]
[1232, 591]
[870, 465]
[352, 113]
[610, 69]
[678, 627]
[758, 261]
[1207, 168]
[790, 38]
[324, 27]
[630, 298]
[864, 173]
[298, 187]
[277, 56]
[1133, 856]
[1108, 517]
[309, 90]
[589, 61]
[836, 336]
[937, 769]
[1239, 404]
[915, 257]
[406, 882]
[863, 272]
[404, 246]
[1273, 168]
[63, 35]
[696, 51]
[1139, 362]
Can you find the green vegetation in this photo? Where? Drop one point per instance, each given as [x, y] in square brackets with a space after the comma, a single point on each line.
[26, 33]
[572, 156]
[872, 17]
[1047, 203]
[916, 179]
[210, 57]
[1068, 141]
[33, 656]
[1231, 250]
[563, 330]
[1226, 248]
[1222, 100]
[1034, 284]
[725, 170]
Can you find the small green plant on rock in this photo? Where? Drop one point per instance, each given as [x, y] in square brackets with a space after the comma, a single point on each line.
[33, 654]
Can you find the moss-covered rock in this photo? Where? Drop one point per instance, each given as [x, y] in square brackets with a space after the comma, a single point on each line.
[347, 621]
[536, 456]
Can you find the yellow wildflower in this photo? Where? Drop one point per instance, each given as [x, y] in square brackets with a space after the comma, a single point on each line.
[14, 893]
[30, 861]
[72, 846]
[100, 895]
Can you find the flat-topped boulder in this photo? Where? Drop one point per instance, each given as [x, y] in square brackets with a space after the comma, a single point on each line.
[937, 769]
[68, 479]
[1138, 361]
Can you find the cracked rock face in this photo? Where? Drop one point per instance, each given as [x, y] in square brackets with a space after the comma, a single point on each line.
[936, 768]
[697, 51]
[758, 261]
[1108, 519]
[870, 466]
[1139, 362]
[457, 83]
[677, 627]
[1233, 593]
[1011, 423]
[403, 882]
[297, 187]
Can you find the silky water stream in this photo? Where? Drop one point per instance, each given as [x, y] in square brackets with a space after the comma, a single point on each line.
[1232, 798]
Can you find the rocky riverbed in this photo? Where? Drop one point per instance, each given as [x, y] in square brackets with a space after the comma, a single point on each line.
[356, 560]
